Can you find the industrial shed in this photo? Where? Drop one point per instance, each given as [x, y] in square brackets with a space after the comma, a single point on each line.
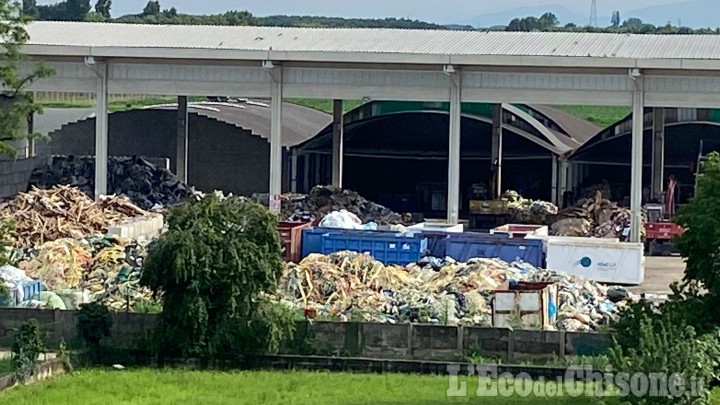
[396, 152]
[228, 148]
[606, 157]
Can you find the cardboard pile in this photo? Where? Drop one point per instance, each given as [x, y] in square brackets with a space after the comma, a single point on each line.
[39, 216]
[595, 217]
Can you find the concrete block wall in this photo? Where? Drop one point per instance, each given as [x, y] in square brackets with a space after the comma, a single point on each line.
[138, 227]
[370, 340]
[15, 174]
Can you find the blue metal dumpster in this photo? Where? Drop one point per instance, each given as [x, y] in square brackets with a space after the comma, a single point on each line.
[463, 247]
[385, 247]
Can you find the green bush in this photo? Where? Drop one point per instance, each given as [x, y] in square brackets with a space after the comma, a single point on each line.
[26, 349]
[668, 345]
[212, 265]
[94, 323]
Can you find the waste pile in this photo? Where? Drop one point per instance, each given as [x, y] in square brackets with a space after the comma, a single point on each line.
[146, 184]
[97, 268]
[323, 200]
[353, 286]
[14, 280]
[39, 216]
[594, 217]
[526, 211]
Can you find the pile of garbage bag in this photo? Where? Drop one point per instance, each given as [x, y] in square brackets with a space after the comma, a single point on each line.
[352, 286]
[322, 200]
[526, 211]
[144, 183]
[94, 269]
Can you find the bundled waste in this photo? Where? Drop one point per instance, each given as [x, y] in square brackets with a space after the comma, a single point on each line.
[323, 200]
[146, 184]
[348, 285]
[105, 269]
[39, 216]
[14, 280]
[525, 211]
[596, 217]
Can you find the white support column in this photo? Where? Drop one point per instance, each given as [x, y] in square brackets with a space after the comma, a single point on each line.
[554, 184]
[293, 171]
[496, 150]
[636, 162]
[101, 131]
[453, 197]
[181, 159]
[337, 144]
[276, 104]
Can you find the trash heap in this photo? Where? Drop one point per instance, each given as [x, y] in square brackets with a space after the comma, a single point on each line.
[525, 211]
[593, 217]
[352, 286]
[40, 216]
[93, 269]
[323, 200]
[146, 184]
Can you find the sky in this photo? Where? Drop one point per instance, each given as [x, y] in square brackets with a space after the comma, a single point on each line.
[438, 11]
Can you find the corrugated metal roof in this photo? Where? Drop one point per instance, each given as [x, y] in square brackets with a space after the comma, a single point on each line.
[395, 41]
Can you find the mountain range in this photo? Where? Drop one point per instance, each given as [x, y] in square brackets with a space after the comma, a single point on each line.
[479, 13]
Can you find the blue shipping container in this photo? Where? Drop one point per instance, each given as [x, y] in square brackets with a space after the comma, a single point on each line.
[386, 247]
[463, 247]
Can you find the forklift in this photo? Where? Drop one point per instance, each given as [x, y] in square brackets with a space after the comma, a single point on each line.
[659, 228]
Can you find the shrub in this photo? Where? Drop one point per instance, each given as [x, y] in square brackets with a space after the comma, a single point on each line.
[26, 349]
[212, 265]
[94, 323]
[666, 345]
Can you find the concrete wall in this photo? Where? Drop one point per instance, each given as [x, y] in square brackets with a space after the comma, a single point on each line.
[372, 340]
[15, 174]
[220, 156]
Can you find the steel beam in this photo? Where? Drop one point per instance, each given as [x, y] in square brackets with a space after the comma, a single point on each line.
[181, 159]
[293, 170]
[337, 144]
[276, 105]
[658, 155]
[453, 197]
[496, 151]
[101, 131]
[563, 180]
[636, 161]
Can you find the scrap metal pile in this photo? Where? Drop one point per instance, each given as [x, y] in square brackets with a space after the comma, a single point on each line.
[348, 285]
[525, 211]
[146, 184]
[39, 216]
[97, 268]
[323, 200]
[596, 217]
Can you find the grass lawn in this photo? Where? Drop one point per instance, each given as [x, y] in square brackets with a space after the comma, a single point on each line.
[602, 116]
[139, 387]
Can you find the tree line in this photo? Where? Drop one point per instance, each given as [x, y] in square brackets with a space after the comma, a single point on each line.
[549, 22]
[154, 13]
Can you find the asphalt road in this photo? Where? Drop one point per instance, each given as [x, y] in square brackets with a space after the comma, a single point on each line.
[660, 272]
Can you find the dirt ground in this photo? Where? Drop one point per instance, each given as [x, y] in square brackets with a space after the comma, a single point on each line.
[660, 272]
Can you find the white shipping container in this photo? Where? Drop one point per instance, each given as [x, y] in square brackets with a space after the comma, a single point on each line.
[611, 262]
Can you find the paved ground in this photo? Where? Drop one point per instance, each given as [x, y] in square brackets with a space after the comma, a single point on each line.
[660, 272]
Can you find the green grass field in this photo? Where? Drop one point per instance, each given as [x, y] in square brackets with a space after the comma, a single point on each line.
[602, 116]
[142, 387]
